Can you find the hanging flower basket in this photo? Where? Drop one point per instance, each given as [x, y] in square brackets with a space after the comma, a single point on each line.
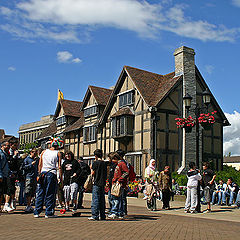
[207, 120]
[187, 123]
[188, 129]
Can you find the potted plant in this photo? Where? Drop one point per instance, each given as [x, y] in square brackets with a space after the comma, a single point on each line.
[186, 123]
[207, 120]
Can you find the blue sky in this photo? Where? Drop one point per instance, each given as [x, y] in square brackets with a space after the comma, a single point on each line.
[57, 44]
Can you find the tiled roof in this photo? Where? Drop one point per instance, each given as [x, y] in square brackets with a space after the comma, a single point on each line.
[49, 131]
[2, 133]
[153, 87]
[122, 111]
[71, 108]
[8, 138]
[101, 94]
[234, 159]
[77, 125]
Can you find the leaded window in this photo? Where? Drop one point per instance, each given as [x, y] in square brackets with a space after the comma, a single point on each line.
[126, 99]
[90, 111]
[89, 134]
[61, 121]
[122, 126]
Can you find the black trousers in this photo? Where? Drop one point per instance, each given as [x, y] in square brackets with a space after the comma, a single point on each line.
[166, 194]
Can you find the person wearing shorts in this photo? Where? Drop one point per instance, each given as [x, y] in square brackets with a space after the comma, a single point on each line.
[30, 165]
[208, 184]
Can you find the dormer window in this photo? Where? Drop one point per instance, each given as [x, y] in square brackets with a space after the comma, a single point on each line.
[90, 111]
[126, 98]
[61, 121]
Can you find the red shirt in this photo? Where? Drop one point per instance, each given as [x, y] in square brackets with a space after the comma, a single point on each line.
[121, 173]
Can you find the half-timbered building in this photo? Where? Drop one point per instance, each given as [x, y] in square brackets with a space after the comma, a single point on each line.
[138, 115]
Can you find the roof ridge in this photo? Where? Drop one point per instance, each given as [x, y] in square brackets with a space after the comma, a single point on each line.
[71, 100]
[143, 70]
[99, 87]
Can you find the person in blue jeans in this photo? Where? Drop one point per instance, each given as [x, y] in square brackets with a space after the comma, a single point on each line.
[220, 189]
[230, 192]
[99, 173]
[50, 159]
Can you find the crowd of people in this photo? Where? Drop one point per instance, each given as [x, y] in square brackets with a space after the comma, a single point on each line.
[49, 176]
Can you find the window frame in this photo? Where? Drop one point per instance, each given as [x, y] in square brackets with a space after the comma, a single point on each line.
[126, 98]
[90, 134]
[61, 120]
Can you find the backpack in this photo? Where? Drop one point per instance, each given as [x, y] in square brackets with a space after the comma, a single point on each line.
[132, 174]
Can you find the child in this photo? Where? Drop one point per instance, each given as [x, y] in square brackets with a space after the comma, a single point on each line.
[71, 170]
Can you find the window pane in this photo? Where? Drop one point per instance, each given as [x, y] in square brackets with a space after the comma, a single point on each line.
[122, 126]
[114, 130]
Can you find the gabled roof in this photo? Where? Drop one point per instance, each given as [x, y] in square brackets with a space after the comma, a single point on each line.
[49, 131]
[77, 125]
[152, 87]
[70, 108]
[123, 111]
[100, 94]
[214, 101]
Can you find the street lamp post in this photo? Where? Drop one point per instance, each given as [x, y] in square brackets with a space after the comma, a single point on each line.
[206, 97]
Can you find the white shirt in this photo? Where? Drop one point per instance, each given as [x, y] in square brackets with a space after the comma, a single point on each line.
[50, 161]
[193, 180]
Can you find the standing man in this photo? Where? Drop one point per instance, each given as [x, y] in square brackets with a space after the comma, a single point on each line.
[14, 165]
[5, 176]
[85, 171]
[30, 167]
[208, 185]
[99, 173]
[50, 159]
[165, 183]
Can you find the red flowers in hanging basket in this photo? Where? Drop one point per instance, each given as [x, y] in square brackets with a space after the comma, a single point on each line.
[185, 122]
[207, 118]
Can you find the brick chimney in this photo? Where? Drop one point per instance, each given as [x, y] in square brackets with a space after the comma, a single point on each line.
[185, 66]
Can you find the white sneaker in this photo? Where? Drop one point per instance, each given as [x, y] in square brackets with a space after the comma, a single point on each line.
[7, 208]
[36, 216]
[112, 216]
[51, 216]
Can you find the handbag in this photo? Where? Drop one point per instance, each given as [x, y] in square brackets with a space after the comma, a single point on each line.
[89, 183]
[116, 189]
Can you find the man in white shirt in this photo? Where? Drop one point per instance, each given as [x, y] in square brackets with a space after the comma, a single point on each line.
[50, 159]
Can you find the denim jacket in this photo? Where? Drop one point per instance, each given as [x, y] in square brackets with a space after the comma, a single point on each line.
[4, 167]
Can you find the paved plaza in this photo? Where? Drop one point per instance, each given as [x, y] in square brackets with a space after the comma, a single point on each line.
[140, 224]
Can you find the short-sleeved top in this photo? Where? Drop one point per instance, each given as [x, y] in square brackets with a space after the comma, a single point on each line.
[100, 176]
[207, 177]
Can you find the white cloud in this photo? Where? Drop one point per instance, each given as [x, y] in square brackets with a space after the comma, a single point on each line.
[73, 20]
[232, 134]
[236, 3]
[209, 69]
[11, 69]
[67, 57]
[76, 60]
